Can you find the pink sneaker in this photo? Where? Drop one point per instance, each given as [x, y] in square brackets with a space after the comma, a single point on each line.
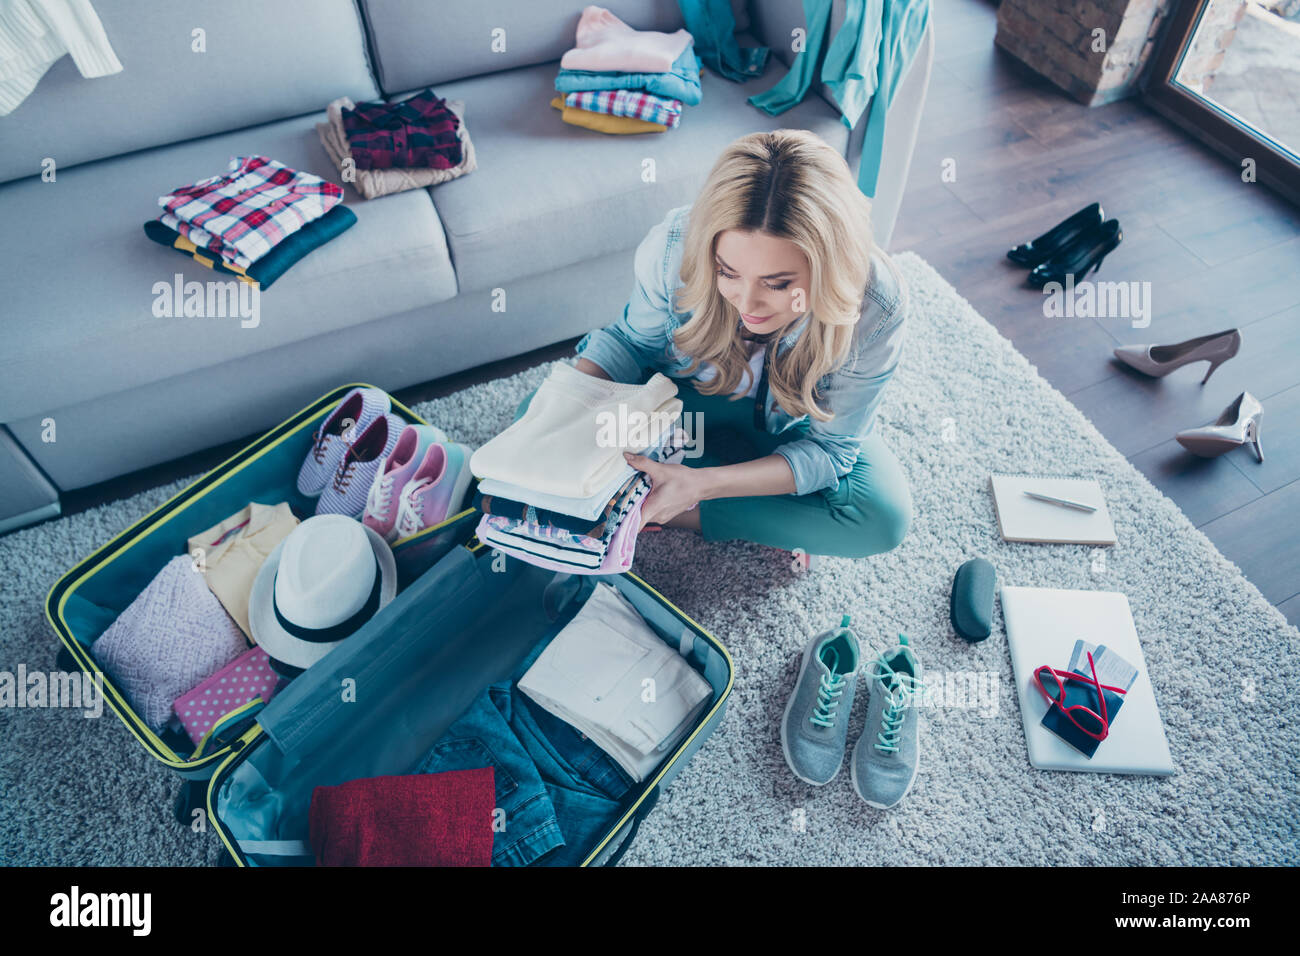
[436, 490]
[381, 503]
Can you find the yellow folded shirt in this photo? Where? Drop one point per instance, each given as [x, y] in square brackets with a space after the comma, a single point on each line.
[604, 122]
[202, 257]
[233, 551]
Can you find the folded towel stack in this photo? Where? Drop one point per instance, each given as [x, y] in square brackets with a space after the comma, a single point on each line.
[554, 487]
[254, 221]
[620, 80]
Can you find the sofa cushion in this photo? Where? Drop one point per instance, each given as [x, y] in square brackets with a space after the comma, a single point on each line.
[97, 440]
[547, 194]
[413, 45]
[88, 315]
[263, 62]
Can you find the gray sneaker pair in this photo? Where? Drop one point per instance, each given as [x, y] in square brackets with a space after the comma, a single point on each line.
[814, 729]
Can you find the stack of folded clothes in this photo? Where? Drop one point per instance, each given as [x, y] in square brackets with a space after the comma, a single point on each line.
[254, 221]
[620, 80]
[385, 148]
[554, 487]
[593, 677]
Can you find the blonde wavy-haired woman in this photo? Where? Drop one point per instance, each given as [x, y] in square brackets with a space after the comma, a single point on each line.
[781, 321]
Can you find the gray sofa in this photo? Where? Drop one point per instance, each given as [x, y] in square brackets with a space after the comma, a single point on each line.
[548, 221]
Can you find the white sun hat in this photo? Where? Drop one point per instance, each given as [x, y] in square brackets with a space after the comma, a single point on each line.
[320, 585]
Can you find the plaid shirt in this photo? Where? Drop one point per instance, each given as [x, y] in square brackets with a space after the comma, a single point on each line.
[417, 133]
[636, 104]
[242, 215]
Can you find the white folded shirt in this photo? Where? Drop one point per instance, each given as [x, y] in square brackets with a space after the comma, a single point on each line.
[570, 441]
[593, 506]
[610, 676]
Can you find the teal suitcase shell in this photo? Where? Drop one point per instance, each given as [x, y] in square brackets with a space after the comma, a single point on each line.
[295, 742]
[89, 597]
[413, 669]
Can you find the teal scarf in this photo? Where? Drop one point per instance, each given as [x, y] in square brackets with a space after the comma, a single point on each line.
[863, 65]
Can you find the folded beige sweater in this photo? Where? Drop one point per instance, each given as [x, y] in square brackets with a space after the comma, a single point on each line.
[372, 183]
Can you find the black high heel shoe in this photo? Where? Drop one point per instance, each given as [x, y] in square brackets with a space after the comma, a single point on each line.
[1050, 243]
[1080, 257]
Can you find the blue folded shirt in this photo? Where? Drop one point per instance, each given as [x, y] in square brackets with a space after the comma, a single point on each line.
[682, 82]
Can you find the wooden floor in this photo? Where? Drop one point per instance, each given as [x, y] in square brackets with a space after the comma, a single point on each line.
[1219, 253]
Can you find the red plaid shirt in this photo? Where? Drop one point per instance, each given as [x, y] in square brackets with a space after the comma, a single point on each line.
[242, 215]
[417, 133]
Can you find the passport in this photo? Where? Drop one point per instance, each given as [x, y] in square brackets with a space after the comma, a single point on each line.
[1111, 669]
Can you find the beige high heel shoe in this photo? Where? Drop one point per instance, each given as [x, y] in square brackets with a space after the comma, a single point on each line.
[1237, 426]
[1159, 360]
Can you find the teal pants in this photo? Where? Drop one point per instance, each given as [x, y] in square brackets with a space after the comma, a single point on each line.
[868, 513]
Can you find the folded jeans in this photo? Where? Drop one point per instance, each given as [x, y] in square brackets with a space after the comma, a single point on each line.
[556, 791]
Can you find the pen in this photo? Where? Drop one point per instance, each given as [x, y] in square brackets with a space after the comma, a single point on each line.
[1064, 502]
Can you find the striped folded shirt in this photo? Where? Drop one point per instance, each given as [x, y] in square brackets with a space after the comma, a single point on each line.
[635, 104]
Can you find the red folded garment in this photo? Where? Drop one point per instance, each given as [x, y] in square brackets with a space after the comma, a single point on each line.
[428, 819]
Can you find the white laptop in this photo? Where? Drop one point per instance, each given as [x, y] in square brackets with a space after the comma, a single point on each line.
[1043, 625]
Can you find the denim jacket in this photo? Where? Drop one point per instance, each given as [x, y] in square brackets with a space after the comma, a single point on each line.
[819, 453]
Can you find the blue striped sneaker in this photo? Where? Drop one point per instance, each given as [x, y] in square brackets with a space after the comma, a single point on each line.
[352, 416]
[349, 487]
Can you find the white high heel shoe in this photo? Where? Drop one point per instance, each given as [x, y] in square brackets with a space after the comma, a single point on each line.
[1159, 360]
[1237, 426]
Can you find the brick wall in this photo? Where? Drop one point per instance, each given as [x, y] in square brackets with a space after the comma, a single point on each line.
[1056, 39]
[1213, 37]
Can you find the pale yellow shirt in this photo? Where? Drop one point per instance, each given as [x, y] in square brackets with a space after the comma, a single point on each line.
[230, 554]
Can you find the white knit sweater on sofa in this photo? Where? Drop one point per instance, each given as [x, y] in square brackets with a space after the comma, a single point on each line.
[35, 33]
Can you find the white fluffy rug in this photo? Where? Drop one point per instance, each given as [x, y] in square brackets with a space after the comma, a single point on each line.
[1223, 661]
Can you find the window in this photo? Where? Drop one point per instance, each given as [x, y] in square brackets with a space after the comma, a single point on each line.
[1228, 71]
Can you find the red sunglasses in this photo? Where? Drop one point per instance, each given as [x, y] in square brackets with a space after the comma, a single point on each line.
[1096, 726]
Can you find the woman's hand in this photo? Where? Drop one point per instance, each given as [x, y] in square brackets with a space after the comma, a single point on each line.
[674, 489]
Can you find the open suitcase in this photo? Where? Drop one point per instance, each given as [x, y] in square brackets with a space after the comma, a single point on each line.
[433, 649]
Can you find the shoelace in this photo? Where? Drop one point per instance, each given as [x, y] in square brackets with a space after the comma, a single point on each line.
[903, 689]
[343, 477]
[381, 496]
[829, 691]
[408, 514]
[828, 700]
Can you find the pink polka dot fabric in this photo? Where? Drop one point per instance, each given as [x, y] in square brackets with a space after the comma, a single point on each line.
[249, 675]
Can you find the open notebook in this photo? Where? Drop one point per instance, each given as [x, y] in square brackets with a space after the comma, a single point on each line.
[1021, 518]
[1043, 625]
